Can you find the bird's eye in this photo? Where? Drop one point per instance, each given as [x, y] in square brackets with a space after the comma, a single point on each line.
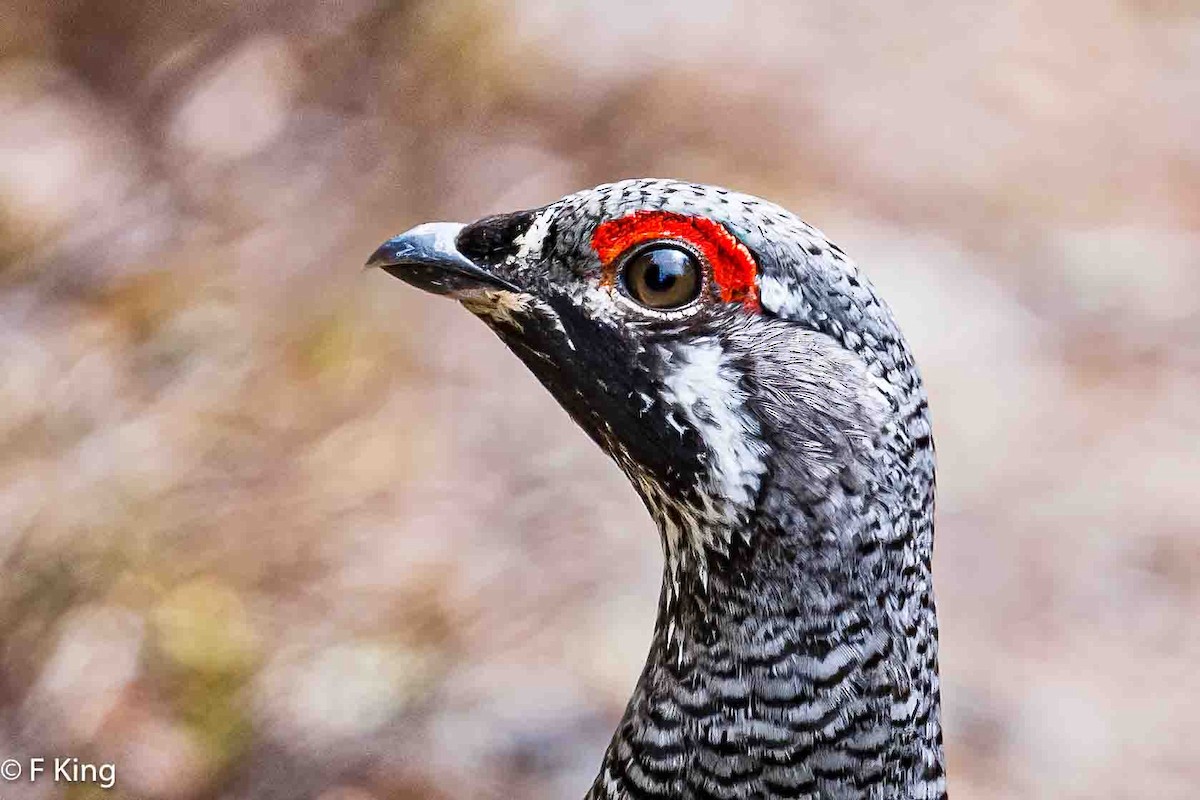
[662, 277]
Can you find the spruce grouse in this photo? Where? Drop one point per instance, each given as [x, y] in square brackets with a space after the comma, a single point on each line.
[758, 394]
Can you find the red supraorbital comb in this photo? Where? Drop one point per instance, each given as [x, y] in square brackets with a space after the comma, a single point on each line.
[733, 268]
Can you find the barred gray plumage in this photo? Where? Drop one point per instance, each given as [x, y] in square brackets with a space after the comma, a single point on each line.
[777, 429]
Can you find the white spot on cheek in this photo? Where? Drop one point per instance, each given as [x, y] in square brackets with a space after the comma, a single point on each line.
[705, 389]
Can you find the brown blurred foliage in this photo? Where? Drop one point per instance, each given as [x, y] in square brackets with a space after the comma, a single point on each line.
[273, 528]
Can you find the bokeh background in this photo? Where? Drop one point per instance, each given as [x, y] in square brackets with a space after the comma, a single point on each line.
[274, 528]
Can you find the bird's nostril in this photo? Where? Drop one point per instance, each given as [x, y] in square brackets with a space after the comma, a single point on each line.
[493, 239]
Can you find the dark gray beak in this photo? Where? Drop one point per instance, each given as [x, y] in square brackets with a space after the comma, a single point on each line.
[428, 258]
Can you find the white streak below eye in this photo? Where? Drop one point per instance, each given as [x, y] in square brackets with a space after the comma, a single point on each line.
[705, 389]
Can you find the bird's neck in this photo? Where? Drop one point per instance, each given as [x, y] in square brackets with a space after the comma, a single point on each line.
[787, 674]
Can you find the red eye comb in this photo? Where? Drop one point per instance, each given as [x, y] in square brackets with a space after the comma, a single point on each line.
[733, 268]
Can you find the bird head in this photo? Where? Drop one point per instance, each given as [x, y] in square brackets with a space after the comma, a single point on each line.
[728, 357]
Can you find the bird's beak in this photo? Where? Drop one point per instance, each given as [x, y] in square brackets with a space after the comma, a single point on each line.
[428, 258]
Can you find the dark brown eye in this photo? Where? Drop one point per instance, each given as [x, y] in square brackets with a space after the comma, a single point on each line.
[662, 277]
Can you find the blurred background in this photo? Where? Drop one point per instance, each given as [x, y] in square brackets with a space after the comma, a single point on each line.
[274, 528]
